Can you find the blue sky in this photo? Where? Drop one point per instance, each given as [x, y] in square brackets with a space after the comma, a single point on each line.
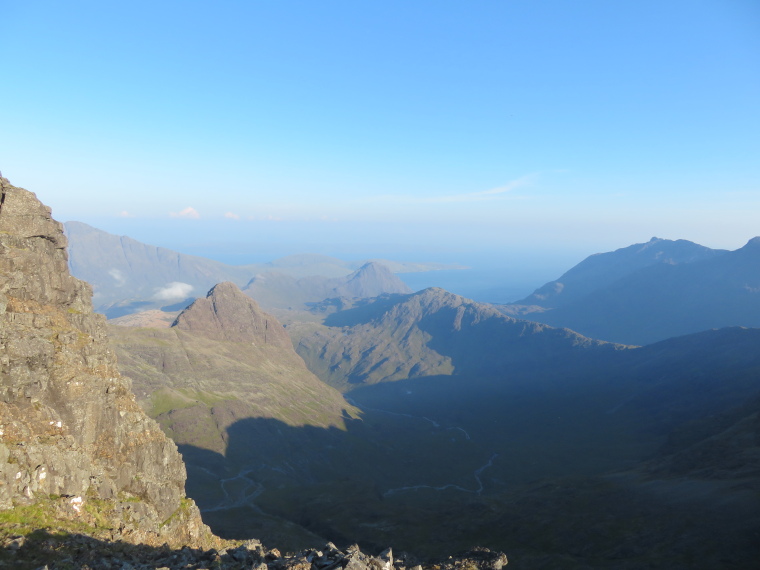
[422, 126]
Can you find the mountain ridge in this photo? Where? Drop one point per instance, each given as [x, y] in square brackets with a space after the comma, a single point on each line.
[426, 333]
[602, 269]
[610, 298]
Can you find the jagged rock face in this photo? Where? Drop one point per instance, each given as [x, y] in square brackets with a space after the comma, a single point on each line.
[431, 332]
[228, 314]
[69, 424]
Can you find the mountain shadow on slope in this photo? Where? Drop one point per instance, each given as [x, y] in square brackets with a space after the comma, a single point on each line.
[334, 484]
[440, 461]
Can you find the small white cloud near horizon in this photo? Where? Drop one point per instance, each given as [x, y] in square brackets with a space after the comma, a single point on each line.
[176, 290]
[125, 214]
[189, 213]
[231, 216]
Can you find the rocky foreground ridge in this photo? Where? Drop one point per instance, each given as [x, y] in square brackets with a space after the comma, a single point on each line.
[87, 480]
[71, 434]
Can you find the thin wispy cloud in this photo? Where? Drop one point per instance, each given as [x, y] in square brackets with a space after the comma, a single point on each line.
[231, 216]
[189, 213]
[481, 196]
[125, 214]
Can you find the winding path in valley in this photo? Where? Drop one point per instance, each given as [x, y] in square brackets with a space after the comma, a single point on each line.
[475, 474]
[242, 497]
[250, 489]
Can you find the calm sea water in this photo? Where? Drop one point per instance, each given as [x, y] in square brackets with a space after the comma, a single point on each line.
[493, 279]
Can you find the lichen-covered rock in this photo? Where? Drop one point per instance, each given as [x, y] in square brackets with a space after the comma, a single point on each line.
[69, 424]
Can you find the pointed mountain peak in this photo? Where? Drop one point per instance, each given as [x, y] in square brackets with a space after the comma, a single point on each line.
[374, 266]
[370, 280]
[227, 313]
[753, 244]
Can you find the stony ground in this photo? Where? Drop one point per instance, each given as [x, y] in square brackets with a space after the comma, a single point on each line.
[42, 550]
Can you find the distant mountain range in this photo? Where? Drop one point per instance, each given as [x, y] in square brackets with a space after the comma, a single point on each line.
[649, 292]
[128, 276]
[280, 290]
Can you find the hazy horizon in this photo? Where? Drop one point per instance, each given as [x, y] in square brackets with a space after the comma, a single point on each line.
[494, 274]
[552, 129]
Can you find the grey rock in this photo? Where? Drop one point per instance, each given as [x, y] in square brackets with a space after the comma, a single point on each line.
[69, 424]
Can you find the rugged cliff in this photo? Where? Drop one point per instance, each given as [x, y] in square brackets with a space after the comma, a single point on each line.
[73, 442]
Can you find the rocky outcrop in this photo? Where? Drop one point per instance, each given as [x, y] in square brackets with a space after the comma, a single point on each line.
[72, 438]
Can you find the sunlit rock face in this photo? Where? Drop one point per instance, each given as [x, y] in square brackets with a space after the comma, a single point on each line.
[70, 430]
